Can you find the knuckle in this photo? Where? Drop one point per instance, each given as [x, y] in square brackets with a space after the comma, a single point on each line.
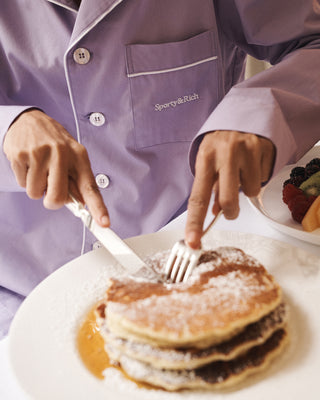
[39, 154]
[54, 201]
[18, 157]
[205, 154]
[34, 193]
[196, 202]
[252, 190]
[252, 143]
[80, 150]
[230, 210]
[91, 188]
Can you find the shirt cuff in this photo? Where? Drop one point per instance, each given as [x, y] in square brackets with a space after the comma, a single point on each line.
[253, 110]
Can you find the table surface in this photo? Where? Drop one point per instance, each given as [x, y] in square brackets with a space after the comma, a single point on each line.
[248, 221]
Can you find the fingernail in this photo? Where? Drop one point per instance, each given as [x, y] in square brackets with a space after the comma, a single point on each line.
[104, 220]
[192, 239]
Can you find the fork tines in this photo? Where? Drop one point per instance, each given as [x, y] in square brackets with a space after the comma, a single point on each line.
[181, 262]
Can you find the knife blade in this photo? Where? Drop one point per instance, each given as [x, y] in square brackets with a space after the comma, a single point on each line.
[108, 238]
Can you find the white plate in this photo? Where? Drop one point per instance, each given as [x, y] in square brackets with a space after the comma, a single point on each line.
[269, 203]
[42, 346]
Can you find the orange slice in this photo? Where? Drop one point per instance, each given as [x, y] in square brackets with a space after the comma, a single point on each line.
[311, 220]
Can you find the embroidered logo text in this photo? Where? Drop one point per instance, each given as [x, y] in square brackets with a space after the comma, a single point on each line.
[178, 102]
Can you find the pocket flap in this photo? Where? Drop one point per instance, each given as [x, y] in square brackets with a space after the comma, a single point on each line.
[144, 59]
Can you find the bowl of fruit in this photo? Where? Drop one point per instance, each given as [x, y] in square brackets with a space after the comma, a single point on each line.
[301, 193]
[291, 200]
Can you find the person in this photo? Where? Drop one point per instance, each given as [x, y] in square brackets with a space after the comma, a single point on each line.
[113, 101]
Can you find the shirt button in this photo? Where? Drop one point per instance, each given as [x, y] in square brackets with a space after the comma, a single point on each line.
[102, 181]
[81, 55]
[97, 119]
[96, 245]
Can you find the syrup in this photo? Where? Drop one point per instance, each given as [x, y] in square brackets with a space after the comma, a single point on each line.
[91, 349]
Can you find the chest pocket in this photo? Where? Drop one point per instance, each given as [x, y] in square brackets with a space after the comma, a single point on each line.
[174, 87]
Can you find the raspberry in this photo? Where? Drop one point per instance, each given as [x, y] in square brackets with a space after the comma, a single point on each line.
[300, 198]
[311, 199]
[290, 191]
[299, 211]
[297, 171]
[301, 207]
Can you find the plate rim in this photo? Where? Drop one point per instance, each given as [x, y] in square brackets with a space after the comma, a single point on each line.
[170, 237]
[257, 204]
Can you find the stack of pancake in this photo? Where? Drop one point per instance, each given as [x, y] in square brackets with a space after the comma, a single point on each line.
[226, 322]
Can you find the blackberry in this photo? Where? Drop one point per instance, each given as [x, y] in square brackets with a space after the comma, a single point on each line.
[298, 171]
[314, 161]
[285, 183]
[312, 169]
[297, 180]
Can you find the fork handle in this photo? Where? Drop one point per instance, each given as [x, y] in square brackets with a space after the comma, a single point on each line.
[215, 219]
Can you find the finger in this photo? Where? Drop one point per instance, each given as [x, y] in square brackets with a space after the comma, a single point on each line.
[94, 200]
[36, 181]
[74, 191]
[57, 192]
[250, 165]
[90, 192]
[20, 170]
[199, 201]
[267, 159]
[228, 195]
[216, 205]
[37, 174]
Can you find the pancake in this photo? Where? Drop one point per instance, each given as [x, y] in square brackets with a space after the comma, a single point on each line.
[227, 291]
[171, 358]
[216, 375]
[229, 320]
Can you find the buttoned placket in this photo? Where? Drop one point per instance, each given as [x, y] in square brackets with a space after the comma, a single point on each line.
[82, 56]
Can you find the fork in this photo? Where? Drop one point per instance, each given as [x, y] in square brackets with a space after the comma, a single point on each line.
[183, 259]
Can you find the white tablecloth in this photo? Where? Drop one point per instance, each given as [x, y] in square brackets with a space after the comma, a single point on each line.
[248, 221]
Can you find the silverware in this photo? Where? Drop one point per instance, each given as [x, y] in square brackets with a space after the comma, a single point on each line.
[109, 239]
[183, 258]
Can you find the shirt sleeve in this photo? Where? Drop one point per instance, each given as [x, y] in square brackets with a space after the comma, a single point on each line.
[283, 102]
[8, 114]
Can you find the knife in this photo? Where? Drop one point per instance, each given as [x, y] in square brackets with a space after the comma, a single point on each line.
[108, 238]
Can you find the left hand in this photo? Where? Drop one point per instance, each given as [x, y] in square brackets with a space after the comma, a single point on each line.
[226, 161]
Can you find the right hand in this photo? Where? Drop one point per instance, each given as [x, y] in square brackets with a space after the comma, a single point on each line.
[49, 162]
[226, 161]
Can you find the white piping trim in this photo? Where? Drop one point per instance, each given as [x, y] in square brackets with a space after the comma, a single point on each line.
[69, 86]
[163, 71]
[71, 96]
[62, 5]
[66, 65]
[95, 23]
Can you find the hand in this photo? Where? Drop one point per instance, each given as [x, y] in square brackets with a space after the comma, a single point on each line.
[49, 162]
[226, 161]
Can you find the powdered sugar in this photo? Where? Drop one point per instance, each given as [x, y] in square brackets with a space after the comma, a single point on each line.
[192, 306]
[170, 357]
[114, 379]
